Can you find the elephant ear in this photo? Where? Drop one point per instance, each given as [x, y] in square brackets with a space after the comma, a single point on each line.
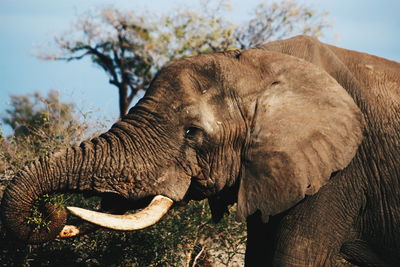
[305, 127]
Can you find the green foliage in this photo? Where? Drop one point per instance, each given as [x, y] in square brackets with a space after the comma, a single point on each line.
[37, 219]
[187, 33]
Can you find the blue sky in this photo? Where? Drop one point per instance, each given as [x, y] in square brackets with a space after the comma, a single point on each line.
[365, 25]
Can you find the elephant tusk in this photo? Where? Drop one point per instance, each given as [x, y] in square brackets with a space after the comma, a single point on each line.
[128, 222]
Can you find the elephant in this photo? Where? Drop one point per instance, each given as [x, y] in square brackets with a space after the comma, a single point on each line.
[301, 135]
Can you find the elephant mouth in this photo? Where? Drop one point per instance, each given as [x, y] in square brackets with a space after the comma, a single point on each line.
[199, 188]
[146, 217]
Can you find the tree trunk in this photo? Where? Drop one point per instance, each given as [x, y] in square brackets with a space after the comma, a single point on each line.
[123, 99]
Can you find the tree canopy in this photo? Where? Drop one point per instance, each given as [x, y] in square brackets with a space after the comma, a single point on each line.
[131, 47]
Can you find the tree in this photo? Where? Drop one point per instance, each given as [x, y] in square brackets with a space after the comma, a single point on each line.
[132, 47]
[34, 114]
[280, 20]
[40, 125]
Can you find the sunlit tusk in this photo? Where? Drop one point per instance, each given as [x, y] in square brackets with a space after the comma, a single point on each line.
[142, 219]
[68, 231]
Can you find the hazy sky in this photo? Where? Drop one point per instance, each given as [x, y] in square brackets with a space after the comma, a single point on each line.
[365, 25]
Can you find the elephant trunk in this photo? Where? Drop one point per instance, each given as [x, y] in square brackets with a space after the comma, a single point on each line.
[28, 210]
[22, 213]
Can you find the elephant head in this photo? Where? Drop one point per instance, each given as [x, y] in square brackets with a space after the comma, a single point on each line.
[256, 127]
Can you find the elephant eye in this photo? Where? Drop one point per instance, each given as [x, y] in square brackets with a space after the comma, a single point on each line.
[275, 82]
[192, 131]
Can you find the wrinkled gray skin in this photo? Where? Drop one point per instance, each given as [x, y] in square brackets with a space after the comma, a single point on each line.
[309, 151]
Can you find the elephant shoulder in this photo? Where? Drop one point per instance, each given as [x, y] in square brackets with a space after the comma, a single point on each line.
[302, 46]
